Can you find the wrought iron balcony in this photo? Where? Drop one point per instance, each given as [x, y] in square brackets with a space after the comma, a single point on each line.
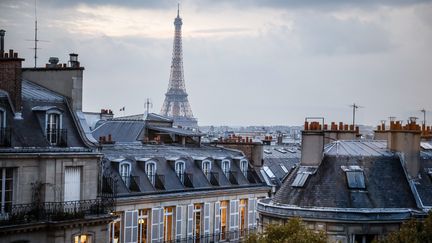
[5, 136]
[55, 211]
[232, 177]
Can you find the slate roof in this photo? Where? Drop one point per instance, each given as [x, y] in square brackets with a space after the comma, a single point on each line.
[28, 134]
[175, 130]
[120, 130]
[274, 158]
[165, 156]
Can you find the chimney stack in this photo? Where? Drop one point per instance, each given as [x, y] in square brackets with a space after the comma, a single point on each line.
[312, 143]
[73, 59]
[10, 76]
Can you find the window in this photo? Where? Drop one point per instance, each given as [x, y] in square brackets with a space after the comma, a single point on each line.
[125, 171]
[224, 219]
[115, 233]
[151, 171]
[180, 169]
[168, 223]
[300, 179]
[243, 212]
[83, 238]
[197, 220]
[284, 168]
[244, 167]
[6, 189]
[206, 168]
[72, 186]
[268, 172]
[143, 222]
[53, 126]
[226, 167]
[355, 180]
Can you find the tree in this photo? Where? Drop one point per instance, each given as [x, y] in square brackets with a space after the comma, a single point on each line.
[293, 231]
[412, 231]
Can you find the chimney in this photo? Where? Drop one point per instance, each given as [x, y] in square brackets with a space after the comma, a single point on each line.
[2, 34]
[406, 141]
[10, 76]
[312, 143]
[53, 61]
[73, 59]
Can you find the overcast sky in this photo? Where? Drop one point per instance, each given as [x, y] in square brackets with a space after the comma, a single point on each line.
[246, 62]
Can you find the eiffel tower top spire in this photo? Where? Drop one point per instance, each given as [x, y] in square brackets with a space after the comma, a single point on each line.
[176, 104]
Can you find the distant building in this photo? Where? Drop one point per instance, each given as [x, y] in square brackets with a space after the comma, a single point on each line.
[169, 187]
[356, 190]
[176, 104]
[48, 170]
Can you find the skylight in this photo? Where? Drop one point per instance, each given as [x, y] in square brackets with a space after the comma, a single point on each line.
[268, 172]
[284, 168]
[300, 179]
[355, 180]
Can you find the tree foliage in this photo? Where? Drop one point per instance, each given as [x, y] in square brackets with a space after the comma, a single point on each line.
[413, 231]
[293, 231]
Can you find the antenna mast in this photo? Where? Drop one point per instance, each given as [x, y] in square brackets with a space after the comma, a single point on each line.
[148, 104]
[35, 39]
[355, 107]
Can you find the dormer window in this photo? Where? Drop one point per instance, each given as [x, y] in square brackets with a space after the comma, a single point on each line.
[226, 167]
[125, 172]
[180, 169]
[206, 167]
[150, 169]
[244, 166]
[53, 127]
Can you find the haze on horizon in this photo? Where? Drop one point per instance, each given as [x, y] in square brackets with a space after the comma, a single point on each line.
[246, 62]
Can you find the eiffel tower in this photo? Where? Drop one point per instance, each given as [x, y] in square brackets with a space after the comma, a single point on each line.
[176, 104]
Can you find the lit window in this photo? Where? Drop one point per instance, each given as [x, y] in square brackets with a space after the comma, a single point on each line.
[151, 171]
[53, 128]
[115, 233]
[244, 167]
[197, 219]
[226, 167]
[180, 169]
[125, 170]
[206, 168]
[143, 222]
[268, 172]
[6, 189]
[224, 221]
[243, 212]
[83, 239]
[168, 223]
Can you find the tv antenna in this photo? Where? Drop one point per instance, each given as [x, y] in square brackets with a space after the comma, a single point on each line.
[148, 104]
[355, 107]
[424, 115]
[36, 40]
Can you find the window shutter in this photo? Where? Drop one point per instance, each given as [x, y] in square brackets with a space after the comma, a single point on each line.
[161, 224]
[217, 221]
[155, 225]
[190, 221]
[178, 222]
[131, 226]
[206, 219]
[251, 214]
[236, 219]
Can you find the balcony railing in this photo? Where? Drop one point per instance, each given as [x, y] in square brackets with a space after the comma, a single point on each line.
[232, 177]
[56, 211]
[57, 137]
[5, 137]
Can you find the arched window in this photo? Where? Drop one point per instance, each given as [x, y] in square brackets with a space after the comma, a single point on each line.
[180, 169]
[206, 167]
[150, 170]
[125, 171]
[244, 166]
[226, 167]
[53, 126]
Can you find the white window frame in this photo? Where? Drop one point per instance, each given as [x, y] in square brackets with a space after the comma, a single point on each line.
[60, 125]
[125, 174]
[244, 165]
[112, 231]
[143, 214]
[3, 189]
[165, 227]
[180, 167]
[151, 176]
[226, 169]
[206, 172]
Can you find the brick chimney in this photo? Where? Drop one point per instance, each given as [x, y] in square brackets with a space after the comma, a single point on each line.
[406, 141]
[312, 143]
[10, 75]
[340, 132]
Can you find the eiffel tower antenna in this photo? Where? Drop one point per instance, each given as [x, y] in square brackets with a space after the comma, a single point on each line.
[176, 104]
